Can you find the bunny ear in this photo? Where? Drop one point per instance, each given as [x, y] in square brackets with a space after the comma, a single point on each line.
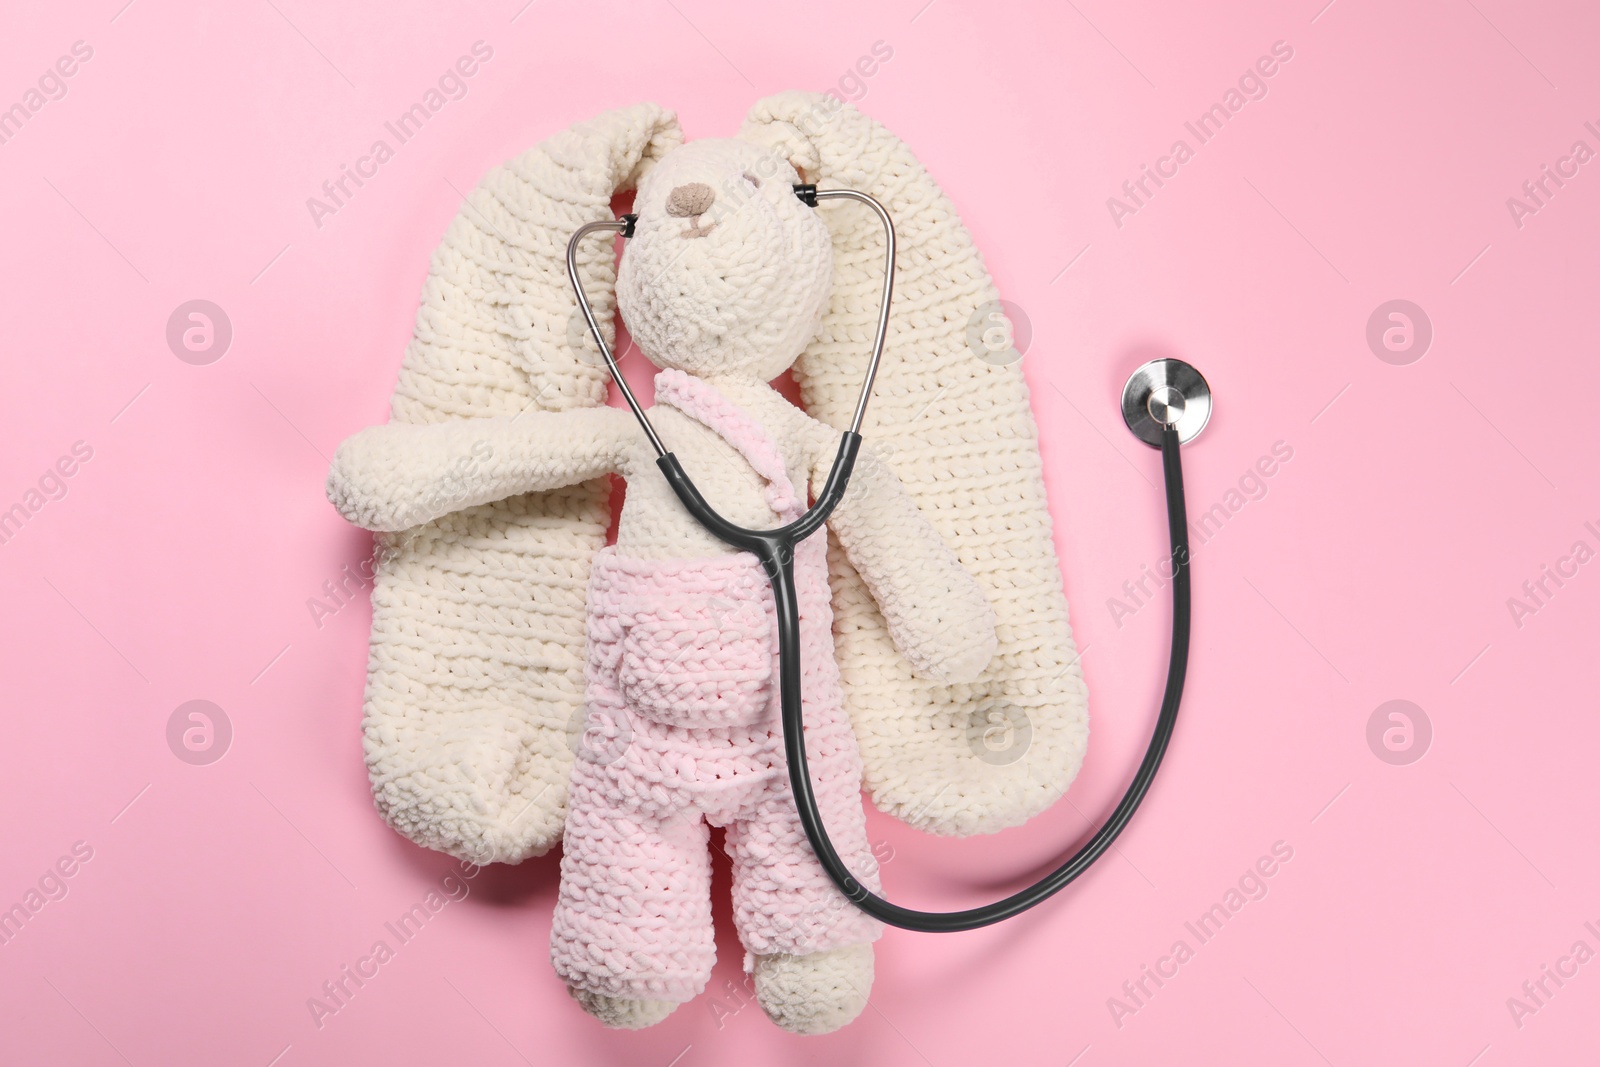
[495, 331]
[475, 678]
[958, 431]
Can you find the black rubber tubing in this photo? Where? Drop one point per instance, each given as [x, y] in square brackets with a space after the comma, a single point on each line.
[775, 549]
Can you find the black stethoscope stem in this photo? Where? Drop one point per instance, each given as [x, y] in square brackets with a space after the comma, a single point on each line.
[1165, 403]
[775, 549]
[789, 671]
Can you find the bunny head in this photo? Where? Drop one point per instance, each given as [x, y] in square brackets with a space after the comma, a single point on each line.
[727, 272]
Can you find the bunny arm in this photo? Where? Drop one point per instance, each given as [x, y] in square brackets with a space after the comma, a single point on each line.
[936, 612]
[400, 475]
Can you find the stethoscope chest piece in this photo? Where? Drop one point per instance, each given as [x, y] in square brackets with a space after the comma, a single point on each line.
[1166, 392]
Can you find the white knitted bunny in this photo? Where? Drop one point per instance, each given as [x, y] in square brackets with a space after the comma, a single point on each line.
[479, 624]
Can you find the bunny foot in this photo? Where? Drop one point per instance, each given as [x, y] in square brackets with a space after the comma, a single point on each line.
[815, 994]
[620, 1013]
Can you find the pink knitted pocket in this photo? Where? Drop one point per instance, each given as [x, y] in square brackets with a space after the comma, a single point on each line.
[697, 661]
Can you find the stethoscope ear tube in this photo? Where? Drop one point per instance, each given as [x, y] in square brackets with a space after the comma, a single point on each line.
[1157, 399]
[950, 921]
[808, 194]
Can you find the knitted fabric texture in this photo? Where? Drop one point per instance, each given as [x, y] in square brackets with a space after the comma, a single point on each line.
[505, 640]
[683, 729]
[950, 415]
[475, 673]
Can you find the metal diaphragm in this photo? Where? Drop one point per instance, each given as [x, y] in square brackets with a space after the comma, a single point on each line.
[1166, 392]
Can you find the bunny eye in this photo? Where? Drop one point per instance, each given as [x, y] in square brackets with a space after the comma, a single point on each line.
[752, 179]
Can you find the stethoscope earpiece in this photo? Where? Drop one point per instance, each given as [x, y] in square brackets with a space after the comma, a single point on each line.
[806, 193]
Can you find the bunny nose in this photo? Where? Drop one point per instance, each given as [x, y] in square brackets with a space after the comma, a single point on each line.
[687, 201]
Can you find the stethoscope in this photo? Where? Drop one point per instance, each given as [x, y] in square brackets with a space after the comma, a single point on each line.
[1165, 403]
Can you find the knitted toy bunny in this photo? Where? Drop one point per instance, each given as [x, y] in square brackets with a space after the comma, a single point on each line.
[494, 591]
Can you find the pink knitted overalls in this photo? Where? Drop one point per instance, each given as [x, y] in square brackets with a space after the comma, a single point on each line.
[682, 729]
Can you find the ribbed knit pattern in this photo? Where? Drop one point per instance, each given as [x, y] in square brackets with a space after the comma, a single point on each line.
[506, 638]
[959, 433]
[704, 744]
[476, 667]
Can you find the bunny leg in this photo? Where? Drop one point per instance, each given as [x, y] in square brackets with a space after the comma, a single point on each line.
[632, 933]
[812, 947]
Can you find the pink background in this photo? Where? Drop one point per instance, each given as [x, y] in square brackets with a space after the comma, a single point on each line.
[1378, 566]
